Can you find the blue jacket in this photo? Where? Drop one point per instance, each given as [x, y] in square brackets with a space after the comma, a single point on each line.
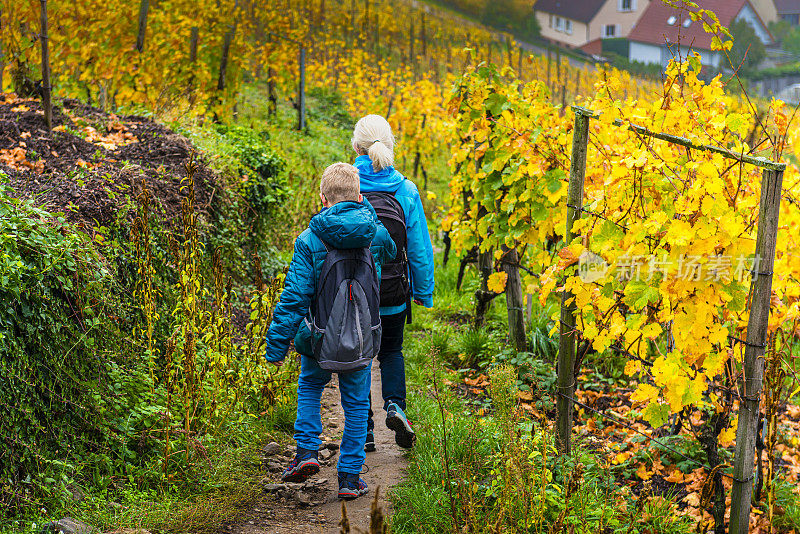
[420, 251]
[344, 225]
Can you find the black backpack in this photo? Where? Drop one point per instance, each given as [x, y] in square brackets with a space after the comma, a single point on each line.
[344, 318]
[395, 280]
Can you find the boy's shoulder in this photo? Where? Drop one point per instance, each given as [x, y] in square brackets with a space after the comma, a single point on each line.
[308, 238]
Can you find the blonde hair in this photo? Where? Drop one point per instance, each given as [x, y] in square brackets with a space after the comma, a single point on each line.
[373, 136]
[340, 183]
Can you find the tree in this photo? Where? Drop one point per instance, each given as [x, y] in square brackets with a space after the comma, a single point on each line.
[511, 15]
[748, 51]
[780, 29]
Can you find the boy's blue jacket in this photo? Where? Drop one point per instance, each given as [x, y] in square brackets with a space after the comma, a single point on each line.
[420, 251]
[344, 225]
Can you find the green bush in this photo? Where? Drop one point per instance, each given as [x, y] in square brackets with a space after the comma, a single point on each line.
[260, 167]
[57, 323]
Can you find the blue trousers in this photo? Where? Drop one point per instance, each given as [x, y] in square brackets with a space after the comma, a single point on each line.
[354, 389]
[393, 366]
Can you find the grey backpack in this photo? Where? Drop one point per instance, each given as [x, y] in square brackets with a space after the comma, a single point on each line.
[344, 317]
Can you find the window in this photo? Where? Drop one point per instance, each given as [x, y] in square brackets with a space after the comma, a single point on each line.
[610, 30]
[626, 5]
[568, 26]
[687, 23]
[559, 24]
[671, 20]
[791, 18]
[551, 21]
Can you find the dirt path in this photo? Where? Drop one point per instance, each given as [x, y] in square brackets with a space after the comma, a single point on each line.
[313, 507]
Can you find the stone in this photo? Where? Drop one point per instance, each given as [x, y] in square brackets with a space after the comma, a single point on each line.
[274, 467]
[304, 498]
[68, 525]
[274, 488]
[294, 485]
[271, 449]
[332, 446]
[321, 482]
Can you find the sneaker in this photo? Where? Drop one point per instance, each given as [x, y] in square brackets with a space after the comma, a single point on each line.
[351, 486]
[304, 464]
[369, 446]
[396, 420]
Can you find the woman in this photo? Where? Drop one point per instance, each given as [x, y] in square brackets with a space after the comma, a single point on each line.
[398, 205]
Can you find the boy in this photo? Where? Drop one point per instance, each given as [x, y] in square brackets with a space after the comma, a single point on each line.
[346, 223]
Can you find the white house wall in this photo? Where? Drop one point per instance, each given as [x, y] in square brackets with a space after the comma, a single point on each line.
[659, 55]
[645, 53]
[747, 14]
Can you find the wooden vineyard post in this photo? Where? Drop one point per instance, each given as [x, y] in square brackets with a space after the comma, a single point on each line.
[514, 300]
[226, 50]
[548, 69]
[411, 41]
[352, 32]
[566, 349]
[753, 369]
[558, 68]
[272, 98]
[301, 93]
[483, 297]
[2, 57]
[423, 37]
[143, 7]
[47, 102]
[194, 36]
[417, 155]
[365, 29]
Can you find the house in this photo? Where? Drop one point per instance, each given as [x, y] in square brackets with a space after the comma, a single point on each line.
[584, 23]
[788, 10]
[656, 35]
[765, 9]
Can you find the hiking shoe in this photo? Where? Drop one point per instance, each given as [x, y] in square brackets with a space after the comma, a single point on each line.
[351, 486]
[397, 421]
[304, 464]
[369, 445]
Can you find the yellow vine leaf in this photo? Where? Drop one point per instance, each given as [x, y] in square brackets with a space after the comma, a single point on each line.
[497, 282]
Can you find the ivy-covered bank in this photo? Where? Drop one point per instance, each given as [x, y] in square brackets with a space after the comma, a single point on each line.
[138, 276]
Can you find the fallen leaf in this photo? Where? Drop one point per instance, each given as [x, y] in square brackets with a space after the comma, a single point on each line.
[676, 477]
[524, 395]
[643, 473]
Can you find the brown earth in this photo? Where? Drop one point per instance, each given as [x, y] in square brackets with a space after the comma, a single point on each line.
[314, 507]
[92, 161]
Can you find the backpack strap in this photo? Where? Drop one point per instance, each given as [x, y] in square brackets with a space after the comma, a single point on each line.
[410, 291]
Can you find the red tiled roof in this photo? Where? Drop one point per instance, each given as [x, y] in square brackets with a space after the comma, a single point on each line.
[593, 47]
[580, 10]
[653, 28]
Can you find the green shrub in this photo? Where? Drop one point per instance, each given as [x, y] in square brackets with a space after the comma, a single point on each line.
[260, 167]
[57, 325]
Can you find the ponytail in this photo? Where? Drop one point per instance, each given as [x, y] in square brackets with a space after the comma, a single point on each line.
[382, 157]
[373, 136]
